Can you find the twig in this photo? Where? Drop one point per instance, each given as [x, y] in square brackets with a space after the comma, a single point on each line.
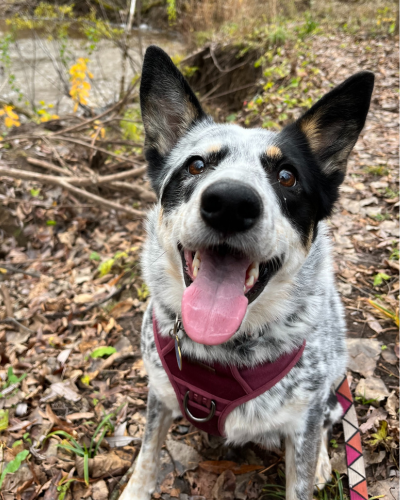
[76, 181]
[139, 191]
[23, 174]
[118, 104]
[13, 269]
[17, 323]
[125, 478]
[88, 308]
[7, 301]
[90, 146]
[48, 165]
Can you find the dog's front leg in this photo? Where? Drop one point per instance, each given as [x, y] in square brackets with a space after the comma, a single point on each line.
[144, 478]
[302, 451]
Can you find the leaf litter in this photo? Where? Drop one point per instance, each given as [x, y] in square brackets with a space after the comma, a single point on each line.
[74, 392]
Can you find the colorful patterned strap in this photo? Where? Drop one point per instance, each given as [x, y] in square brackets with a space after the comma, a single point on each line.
[352, 438]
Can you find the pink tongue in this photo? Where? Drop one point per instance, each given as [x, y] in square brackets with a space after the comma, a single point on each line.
[214, 305]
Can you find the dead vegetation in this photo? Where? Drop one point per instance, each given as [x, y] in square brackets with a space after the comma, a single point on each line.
[73, 386]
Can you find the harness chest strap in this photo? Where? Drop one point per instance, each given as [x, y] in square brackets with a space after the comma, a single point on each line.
[207, 393]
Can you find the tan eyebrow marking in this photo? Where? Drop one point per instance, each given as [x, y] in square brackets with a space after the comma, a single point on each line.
[274, 152]
[214, 148]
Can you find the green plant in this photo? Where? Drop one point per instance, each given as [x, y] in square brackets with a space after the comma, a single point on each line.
[12, 379]
[103, 351]
[379, 278]
[143, 292]
[72, 446]
[14, 465]
[364, 401]
[333, 490]
[394, 255]
[379, 170]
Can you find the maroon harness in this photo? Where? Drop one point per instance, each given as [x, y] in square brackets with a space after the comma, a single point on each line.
[208, 393]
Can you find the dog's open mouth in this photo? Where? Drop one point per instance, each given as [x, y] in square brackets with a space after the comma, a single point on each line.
[220, 285]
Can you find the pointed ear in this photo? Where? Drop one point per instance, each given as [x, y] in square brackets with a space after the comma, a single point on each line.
[334, 123]
[169, 106]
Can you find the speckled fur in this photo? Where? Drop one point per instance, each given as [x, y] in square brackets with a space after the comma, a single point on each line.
[299, 302]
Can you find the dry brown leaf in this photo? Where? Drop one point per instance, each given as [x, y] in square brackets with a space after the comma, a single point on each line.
[219, 466]
[114, 463]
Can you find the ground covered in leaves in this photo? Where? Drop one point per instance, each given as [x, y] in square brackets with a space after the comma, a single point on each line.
[73, 387]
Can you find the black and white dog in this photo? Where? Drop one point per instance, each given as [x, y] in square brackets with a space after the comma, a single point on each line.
[237, 247]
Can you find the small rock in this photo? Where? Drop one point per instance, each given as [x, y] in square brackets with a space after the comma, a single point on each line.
[372, 388]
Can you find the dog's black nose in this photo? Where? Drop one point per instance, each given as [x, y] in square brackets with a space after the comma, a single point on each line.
[230, 206]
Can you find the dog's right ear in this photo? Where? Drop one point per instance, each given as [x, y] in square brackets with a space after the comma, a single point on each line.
[169, 106]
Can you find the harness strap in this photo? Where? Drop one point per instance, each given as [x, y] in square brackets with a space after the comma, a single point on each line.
[352, 438]
[207, 393]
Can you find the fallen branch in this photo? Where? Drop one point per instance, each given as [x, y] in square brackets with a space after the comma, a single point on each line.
[138, 191]
[90, 146]
[13, 269]
[80, 181]
[18, 324]
[48, 165]
[64, 182]
[7, 301]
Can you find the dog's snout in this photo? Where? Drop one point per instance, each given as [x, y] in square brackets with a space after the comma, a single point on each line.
[230, 207]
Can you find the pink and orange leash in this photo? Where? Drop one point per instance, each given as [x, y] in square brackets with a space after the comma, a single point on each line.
[352, 438]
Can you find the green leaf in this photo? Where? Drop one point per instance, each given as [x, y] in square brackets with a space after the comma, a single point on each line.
[51, 223]
[17, 443]
[103, 351]
[105, 267]
[3, 420]
[86, 468]
[35, 192]
[378, 279]
[94, 256]
[14, 465]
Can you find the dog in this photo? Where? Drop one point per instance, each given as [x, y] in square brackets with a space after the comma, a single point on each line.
[238, 251]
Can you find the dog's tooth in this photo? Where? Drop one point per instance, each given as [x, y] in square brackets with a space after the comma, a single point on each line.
[196, 263]
[195, 271]
[250, 281]
[245, 289]
[254, 272]
[197, 256]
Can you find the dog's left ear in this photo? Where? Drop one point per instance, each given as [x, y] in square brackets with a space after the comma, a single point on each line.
[333, 124]
[169, 106]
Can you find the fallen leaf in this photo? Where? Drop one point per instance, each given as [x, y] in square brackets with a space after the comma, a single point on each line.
[219, 466]
[376, 415]
[372, 388]
[389, 489]
[114, 463]
[392, 404]
[185, 457]
[224, 488]
[363, 355]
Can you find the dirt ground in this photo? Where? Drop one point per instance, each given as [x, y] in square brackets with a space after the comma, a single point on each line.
[70, 282]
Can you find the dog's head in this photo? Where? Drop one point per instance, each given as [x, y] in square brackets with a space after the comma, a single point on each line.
[236, 205]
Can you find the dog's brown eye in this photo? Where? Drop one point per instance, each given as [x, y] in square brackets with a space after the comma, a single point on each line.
[196, 167]
[286, 178]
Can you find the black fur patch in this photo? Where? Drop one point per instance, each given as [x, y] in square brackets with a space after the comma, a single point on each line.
[182, 184]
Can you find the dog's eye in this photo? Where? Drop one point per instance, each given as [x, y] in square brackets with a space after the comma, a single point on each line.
[286, 178]
[196, 166]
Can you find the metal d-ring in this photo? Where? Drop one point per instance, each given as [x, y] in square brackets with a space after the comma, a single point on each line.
[196, 419]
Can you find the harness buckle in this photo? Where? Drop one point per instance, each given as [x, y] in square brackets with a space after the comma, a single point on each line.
[197, 419]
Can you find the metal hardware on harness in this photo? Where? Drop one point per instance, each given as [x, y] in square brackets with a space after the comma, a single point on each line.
[174, 334]
[196, 419]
